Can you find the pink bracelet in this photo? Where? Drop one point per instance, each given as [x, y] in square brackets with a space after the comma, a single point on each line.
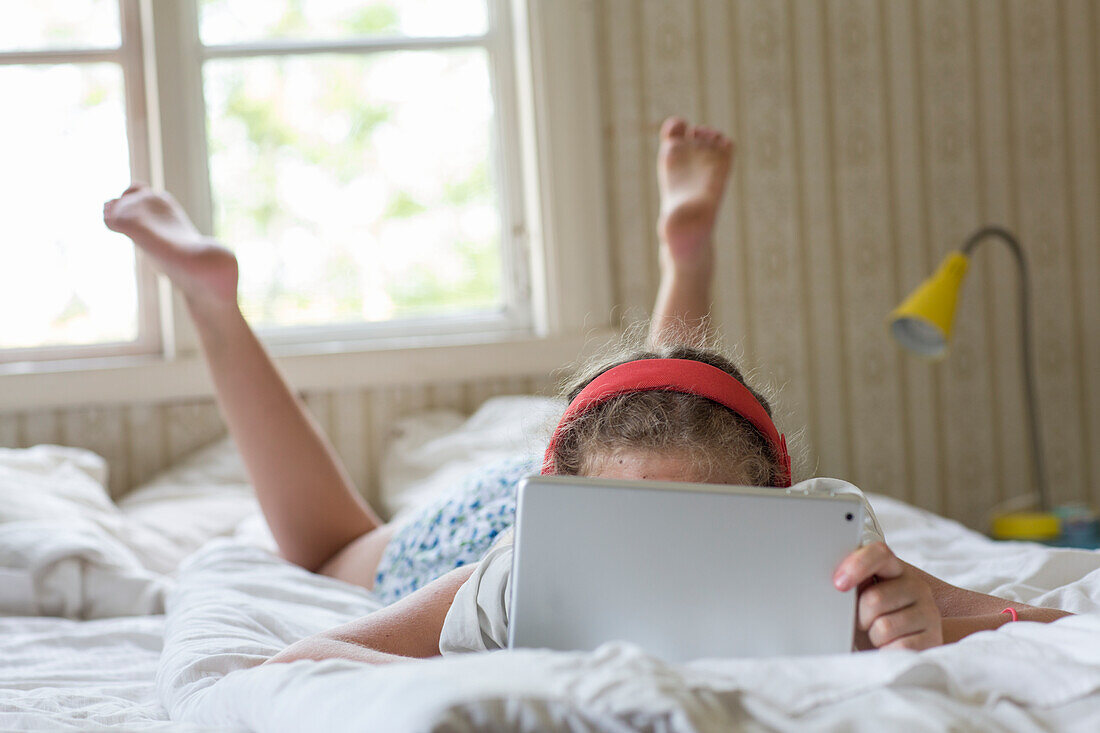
[1011, 612]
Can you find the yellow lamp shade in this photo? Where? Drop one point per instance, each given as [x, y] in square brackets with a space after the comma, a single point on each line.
[922, 323]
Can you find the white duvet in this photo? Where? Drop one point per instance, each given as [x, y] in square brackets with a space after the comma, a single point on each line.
[67, 551]
[235, 606]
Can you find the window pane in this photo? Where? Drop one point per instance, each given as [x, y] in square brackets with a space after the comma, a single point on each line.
[65, 278]
[356, 188]
[41, 24]
[234, 21]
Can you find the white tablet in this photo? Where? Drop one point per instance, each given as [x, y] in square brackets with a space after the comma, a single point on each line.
[683, 570]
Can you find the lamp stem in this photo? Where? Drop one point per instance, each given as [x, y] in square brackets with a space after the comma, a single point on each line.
[1025, 351]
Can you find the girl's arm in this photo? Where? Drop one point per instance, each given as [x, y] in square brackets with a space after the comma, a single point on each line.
[967, 612]
[959, 627]
[409, 629]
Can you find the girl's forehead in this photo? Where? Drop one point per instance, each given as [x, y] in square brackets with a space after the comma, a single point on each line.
[651, 466]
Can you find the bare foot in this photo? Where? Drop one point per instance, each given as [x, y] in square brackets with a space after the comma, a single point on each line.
[202, 269]
[692, 167]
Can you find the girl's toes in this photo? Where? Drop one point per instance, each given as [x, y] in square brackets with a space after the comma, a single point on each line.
[673, 127]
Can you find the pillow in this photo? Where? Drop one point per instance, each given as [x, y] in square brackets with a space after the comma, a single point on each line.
[63, 543]
[432, 451]
[54, 482]
[206, 495]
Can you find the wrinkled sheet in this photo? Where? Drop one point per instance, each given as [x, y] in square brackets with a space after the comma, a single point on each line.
[58, 674]
[235, 605]
[68, 552]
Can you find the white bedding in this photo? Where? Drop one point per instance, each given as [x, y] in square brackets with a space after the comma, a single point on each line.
[59, 674]
[67, 552]
[233, 604]
[1023, 677]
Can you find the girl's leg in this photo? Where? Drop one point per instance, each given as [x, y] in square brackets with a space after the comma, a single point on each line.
[306, 496]
[692, 167]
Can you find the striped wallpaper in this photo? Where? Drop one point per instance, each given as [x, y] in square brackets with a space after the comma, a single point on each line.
[874, 136]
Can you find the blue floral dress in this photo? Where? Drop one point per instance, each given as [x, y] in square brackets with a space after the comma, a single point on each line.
[455, 529]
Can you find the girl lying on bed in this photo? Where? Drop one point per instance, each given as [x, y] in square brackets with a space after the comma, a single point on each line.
[438, 568]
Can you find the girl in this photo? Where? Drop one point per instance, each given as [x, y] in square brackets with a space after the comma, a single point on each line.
[637, 428]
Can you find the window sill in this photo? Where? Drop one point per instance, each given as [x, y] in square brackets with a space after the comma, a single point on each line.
[334, 365]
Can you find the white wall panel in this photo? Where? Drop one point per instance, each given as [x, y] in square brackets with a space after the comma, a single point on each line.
[1038, 146]
[918, 379]
[951, 136]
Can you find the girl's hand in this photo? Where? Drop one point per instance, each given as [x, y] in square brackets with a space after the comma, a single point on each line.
[895, 609]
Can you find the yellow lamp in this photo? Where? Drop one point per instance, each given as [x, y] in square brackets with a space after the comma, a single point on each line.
[922, 324]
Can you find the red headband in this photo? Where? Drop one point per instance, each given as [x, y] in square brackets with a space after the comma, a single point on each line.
[685, 376]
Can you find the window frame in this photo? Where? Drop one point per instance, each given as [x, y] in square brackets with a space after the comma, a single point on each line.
[560, 159]
[129, 56]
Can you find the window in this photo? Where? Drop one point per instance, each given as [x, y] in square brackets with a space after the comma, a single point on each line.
[70, 75]
[362, 159]
[358, 156]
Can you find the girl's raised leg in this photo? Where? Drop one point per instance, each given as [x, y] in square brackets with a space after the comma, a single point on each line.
[307, 498]
[692, 167]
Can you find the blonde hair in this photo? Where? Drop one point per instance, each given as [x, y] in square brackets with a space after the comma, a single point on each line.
[718, 442]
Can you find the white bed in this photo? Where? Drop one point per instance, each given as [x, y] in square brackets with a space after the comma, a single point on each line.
[154, 644]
